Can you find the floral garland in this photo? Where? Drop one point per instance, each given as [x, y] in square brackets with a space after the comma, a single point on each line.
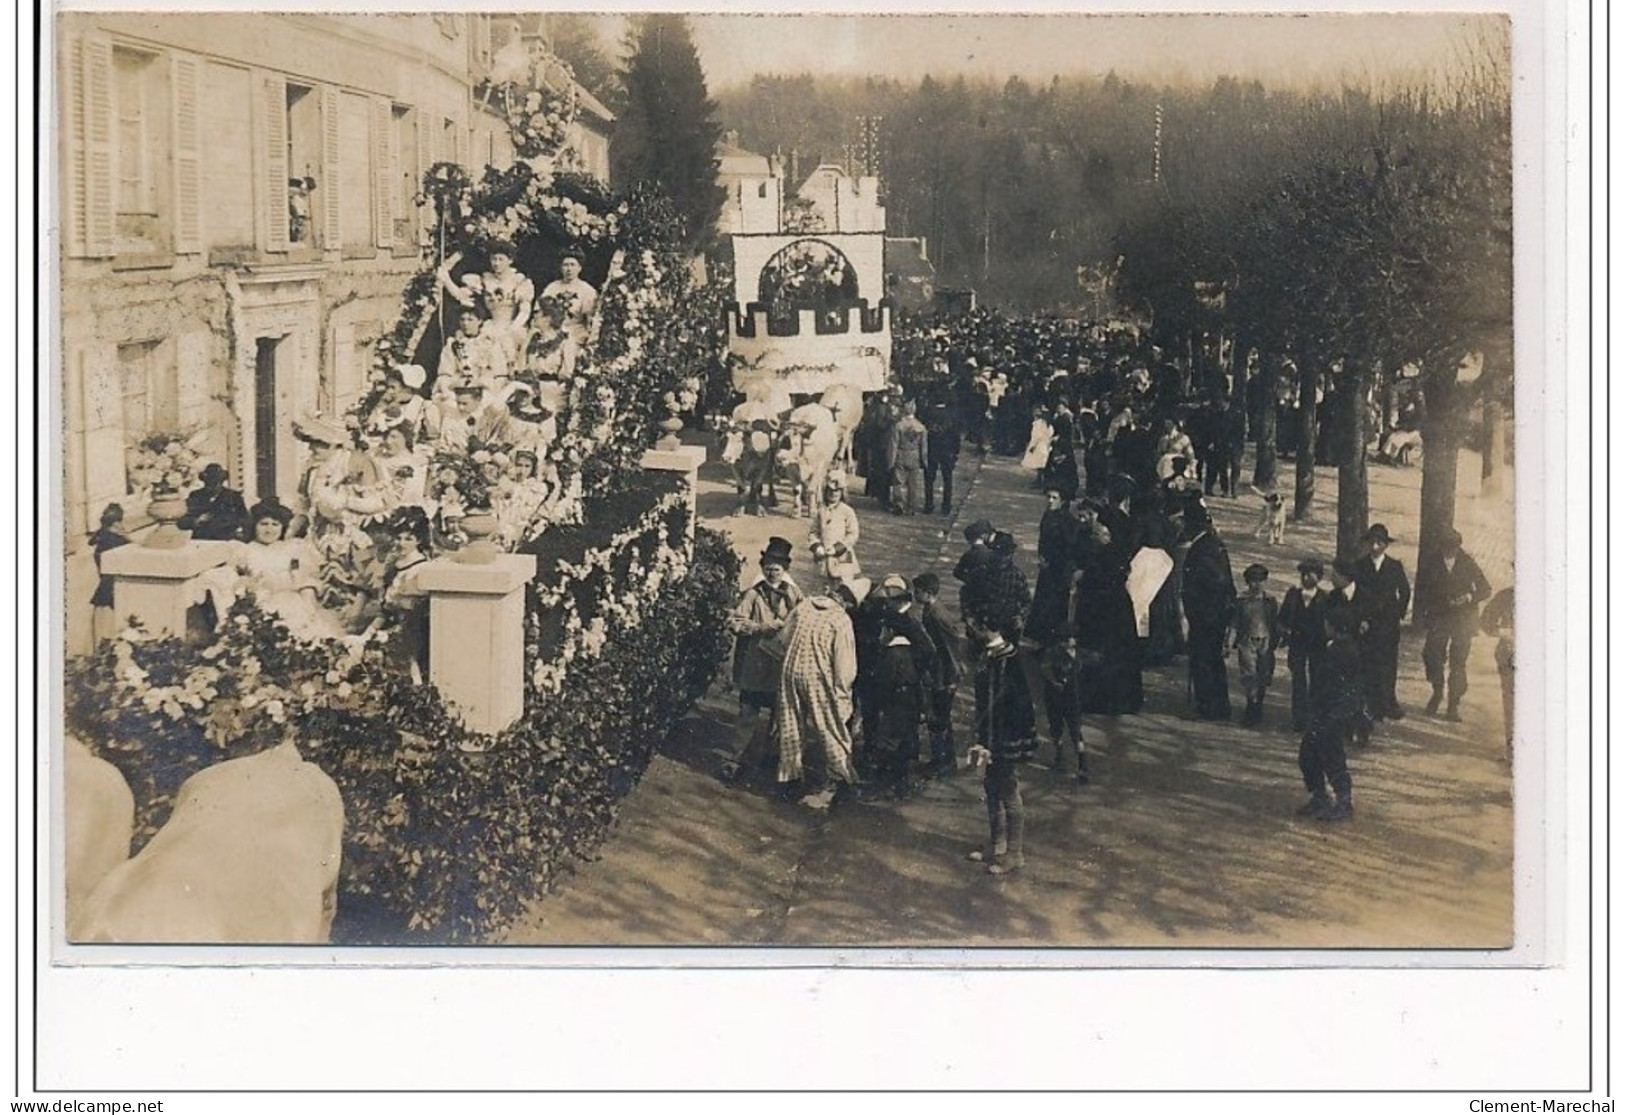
[616, 597]
[257, 676]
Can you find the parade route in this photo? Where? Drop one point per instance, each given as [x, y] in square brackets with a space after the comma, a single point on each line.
[1185, 838]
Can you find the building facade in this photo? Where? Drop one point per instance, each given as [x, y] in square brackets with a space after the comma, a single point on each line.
[237, 219]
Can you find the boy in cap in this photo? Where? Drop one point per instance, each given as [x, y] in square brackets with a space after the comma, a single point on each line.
[973, 564]
[906, 661]
[1256, 612]
[1301, 628]
[1338, 714]
[943, 679]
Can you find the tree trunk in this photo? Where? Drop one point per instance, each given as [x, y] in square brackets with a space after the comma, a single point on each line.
[1264, 458]
[1493, 473]
[1441, 441]
[1303, 496]
[1353, 492]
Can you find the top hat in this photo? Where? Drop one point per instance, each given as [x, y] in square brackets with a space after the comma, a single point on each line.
[777, 552]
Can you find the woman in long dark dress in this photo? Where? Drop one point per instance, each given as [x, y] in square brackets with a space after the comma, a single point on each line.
[1108, 637]
[1159, 532]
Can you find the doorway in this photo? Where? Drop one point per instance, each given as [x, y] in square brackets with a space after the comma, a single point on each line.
[265, 416]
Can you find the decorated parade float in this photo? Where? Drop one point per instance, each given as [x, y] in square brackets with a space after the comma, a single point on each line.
[494, 601]
[809, 329]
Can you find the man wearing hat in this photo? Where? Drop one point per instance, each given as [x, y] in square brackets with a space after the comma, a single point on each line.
[1453, 587]
[214, 512]
[973, 562]
[1387, 592]
[1301, 628]
[763, 610]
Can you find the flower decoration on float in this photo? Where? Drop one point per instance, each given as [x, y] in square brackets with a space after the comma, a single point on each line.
[164, 463]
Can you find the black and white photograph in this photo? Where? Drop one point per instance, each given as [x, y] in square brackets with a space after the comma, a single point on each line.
[762, 483]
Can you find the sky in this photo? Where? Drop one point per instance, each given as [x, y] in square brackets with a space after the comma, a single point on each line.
[1279, 50]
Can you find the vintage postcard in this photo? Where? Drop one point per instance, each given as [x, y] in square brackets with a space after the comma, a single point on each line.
[1037, 489]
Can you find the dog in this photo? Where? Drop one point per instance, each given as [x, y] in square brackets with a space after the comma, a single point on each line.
[1272, 519]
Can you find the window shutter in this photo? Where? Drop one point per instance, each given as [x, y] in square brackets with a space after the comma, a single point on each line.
[186, 78]
[461, 146]
[383, 171]
[96, 81]
[274, 210]
[71, 133]
[425, 213]
[331, 236]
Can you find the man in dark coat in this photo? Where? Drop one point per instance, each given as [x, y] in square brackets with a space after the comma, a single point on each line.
[1209, 594]
[1381, 580]
[1337, 718]
[943, 437]
[1301, 628]
[214, 512]
[1449, 611]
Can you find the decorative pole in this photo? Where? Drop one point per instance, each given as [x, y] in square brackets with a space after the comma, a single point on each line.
[1156, 148]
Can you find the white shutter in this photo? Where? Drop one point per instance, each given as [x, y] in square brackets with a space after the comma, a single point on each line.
[383, 171]
[274, 207]
[331, 235]
[186, 79]
[425, 213]
[71, 134]
[96, 81]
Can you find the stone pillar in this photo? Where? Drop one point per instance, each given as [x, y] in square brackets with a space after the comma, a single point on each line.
[158, 586]
[477, 637]
[687, 460]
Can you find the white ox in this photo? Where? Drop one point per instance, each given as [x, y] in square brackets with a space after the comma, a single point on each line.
[249, 856]
[807, 450]
[99, 822]
[845, 402]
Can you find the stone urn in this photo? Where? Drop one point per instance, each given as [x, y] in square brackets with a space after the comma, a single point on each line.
[480, 524]
[166, 510]
[672, 425]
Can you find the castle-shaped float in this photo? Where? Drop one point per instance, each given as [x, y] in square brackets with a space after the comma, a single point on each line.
[809, 307]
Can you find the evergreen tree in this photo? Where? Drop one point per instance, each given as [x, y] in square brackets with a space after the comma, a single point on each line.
[667, 134]
[576, 43]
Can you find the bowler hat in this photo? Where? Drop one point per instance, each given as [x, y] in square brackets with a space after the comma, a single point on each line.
[981, 528]
[1255, 572]
[777, 552]
[212, 472]
[1312, 565]
[1003, 543]
[1378, 533]
[1451, 540]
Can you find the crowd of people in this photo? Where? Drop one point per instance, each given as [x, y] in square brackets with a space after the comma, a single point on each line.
[852, 677]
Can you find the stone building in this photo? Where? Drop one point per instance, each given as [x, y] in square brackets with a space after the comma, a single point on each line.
[237, 221]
